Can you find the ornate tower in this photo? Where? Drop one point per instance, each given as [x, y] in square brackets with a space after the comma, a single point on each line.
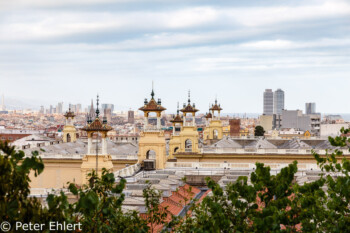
[69, 131]
[214, 131]
[189, 135]
[97, 156]
[175, 143]
[152, 140]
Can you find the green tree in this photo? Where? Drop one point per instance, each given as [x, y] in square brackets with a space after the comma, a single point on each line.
[259, 131]
[156, 215]
[15, 203]
[98, 205]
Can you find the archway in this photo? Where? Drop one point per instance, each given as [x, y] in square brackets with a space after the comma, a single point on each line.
[151, 154]
[188, 145]
[215, 134]
[69, 139]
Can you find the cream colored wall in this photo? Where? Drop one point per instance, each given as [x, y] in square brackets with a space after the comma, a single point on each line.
[191, 133]
[58, 172]
[173, 143]
[214, 125]
[266, 122]
[153, 141]
[71, 131]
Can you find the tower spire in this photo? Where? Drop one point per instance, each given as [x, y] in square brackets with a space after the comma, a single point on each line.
[178, 108]
[97, 110]
[152, 93]
[189, 96]
[216, 99]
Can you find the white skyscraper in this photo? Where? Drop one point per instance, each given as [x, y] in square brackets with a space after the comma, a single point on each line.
[268, 102]
[278, 102]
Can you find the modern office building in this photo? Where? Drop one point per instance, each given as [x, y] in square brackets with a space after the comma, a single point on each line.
[310, 108]
[268, 102]
[278, 101]
[297, 120]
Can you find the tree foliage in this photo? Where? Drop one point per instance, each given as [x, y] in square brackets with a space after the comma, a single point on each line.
[259, 131]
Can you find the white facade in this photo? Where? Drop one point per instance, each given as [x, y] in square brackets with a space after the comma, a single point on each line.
[332, 129]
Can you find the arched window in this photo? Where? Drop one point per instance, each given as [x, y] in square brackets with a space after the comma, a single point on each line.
[215, 134]
[176, 149]
[68, 137]
[188, 145]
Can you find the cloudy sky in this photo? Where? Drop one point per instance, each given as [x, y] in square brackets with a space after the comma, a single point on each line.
[69, 50]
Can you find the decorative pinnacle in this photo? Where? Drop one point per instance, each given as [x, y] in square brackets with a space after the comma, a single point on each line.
[97, 110]
[178, 108]
[152, 93]
[189, 97]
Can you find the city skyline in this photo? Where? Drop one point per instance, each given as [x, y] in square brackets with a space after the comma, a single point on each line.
[68, 51]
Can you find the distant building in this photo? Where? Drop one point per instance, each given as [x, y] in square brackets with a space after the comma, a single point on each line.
[333, 119]
[78, 108]
[310, 108]
[42, 110]
[278, 101]
[332, 129]
[131, 117]
[266, 121]
[268, 102]
[107, 112]
[297, 120]
[108, 106]
[91, 112]
[59, 108]
[235, 127]
[277, 121]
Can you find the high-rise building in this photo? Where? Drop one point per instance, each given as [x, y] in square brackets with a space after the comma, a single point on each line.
[131, 117]
[42, 110]
[268, 102]
[108, 106]
[107, 112]
[310, 108]
[278, 101]
[59, 108]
